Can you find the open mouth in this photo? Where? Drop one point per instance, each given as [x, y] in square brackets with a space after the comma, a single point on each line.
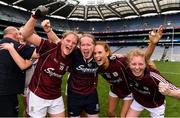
[86, 54]
[99, 60]
[137, 73]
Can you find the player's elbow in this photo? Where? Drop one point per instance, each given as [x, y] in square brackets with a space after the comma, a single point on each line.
[25, 65]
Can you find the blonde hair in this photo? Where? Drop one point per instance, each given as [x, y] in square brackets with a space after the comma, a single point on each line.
[140, 52]
[105, 45]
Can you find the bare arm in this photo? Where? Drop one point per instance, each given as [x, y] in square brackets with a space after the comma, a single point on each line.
[175, 93]
[22, 63]
[154, 37]
[27, 32]
[166, 90]
[52, 37]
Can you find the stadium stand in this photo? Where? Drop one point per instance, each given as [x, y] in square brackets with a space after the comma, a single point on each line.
[122, 32]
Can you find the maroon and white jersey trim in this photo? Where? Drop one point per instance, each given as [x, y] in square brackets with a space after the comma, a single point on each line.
[161, 79]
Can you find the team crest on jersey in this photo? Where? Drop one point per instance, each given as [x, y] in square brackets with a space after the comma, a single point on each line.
[115, 74]
[136, 84]
[113, 57]
[89, 64]
[61, 67]
[131, 85]
[146, 88]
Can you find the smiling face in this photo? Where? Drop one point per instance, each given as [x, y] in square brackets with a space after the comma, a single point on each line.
[87, 47]
[101, 54]
[68, 43]
[137, 64]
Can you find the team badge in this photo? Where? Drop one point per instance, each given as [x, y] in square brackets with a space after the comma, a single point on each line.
[113, 57]
[89, 64]
[136, 84]
[146, 88]
[115, 74]
[61, 67]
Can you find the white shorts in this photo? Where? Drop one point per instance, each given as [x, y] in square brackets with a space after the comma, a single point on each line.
[128, 97]
[39, 107]
[157, 112]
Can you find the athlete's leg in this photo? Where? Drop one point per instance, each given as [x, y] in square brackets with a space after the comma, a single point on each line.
[133, 113]
[83, 114]
[56, 108]
[126, 105]
[59, 115]
[134, 110]
[25, 114]
[93, 116]
[112, 103]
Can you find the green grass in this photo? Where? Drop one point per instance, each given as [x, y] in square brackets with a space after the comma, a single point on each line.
[170, 70]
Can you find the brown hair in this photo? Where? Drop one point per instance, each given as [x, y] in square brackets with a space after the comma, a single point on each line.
[90, 36]
[64, 35]
[140, 52]
[105, 45]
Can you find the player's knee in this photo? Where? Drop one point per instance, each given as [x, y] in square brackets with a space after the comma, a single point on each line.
[122, 114]
[111, 113]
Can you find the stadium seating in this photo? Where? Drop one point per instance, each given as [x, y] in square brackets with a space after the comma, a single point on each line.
[123, 32]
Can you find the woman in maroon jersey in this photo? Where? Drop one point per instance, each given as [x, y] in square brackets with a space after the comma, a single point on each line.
[114, 71]
[82, 80]
[144, 79]
[45, 87]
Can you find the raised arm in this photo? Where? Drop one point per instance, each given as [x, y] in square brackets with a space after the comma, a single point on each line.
[28, 28]
[22, 63]
[52, 37]
[27, 32]
[154, 37]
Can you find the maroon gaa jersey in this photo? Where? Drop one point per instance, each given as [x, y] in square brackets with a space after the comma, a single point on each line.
[145, 89]
[116, 75]
[83, 75]
[51, 66]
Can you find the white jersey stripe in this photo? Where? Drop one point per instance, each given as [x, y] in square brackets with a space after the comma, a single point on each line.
[158, 77]
[161, 79]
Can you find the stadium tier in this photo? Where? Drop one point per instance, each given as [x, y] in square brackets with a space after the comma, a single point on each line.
[122, 32]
